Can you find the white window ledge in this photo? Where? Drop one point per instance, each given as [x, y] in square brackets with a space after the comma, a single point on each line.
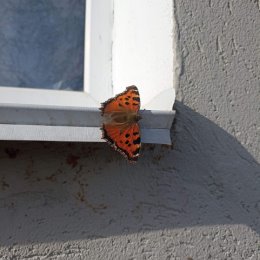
[74, 124]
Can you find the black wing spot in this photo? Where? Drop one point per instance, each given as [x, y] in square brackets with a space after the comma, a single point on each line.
[128, 96]
[127, 103]
[134, 104]
[126, 99]
[127, 135]
[129, 145]
[126, 142]
[135, 133]
[137, 141]
[120, 105]
[136, 99]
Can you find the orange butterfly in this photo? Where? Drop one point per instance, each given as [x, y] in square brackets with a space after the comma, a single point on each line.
[120, 123]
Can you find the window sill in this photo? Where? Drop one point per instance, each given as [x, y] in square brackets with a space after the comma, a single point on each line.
[74, 124]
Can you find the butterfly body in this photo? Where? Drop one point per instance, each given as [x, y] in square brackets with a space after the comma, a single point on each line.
[121, 119]
[120, 123]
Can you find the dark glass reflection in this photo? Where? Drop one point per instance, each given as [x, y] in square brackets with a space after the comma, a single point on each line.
[42, 43]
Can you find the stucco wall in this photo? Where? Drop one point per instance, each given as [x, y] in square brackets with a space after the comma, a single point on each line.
[199, 200]
[220, 51]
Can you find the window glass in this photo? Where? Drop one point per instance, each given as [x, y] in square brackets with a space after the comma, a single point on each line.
[42, 44]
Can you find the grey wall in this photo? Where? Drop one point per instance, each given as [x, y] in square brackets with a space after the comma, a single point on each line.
[220, 79]
[199, 200]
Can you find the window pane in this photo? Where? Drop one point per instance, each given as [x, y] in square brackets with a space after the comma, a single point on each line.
[42, 44]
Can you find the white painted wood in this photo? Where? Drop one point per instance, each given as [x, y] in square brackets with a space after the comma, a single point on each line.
[42, 97]
[143, 51]
[74, 116]
[98, 49]
[72, 134]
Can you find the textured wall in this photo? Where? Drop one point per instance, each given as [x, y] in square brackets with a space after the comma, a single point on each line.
[220, 50]
[199, 200]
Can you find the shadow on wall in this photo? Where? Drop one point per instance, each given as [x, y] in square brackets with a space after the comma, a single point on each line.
[63, 191]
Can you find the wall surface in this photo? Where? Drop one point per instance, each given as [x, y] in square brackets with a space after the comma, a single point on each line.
[199, 199]
[220, 51]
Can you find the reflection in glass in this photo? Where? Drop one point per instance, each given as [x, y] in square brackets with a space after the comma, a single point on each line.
[42, 43]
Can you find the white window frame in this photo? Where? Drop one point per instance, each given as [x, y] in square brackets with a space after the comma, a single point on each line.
[127, 42]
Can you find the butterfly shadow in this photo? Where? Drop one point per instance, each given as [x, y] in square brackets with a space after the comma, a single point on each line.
[68, 191]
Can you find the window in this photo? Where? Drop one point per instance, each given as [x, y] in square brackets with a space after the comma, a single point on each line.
[125, 43]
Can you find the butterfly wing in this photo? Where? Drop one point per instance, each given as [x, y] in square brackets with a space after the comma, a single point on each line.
[127, 100]
[128, 142]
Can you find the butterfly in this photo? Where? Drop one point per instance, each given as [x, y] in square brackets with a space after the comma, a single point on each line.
[120, 123]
